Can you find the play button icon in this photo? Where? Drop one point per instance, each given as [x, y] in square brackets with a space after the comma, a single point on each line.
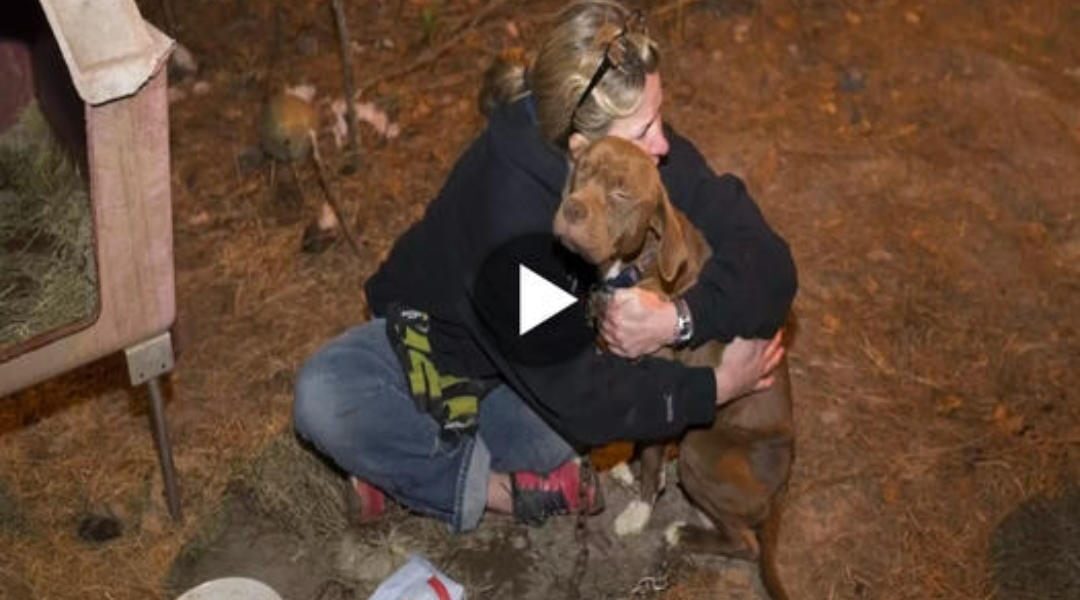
[526, 298]
[538, 299]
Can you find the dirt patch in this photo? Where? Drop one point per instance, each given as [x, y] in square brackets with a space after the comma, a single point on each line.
[258, 534]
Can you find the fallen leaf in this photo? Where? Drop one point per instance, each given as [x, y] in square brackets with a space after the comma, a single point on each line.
[948, 404]
[764, 171]
[879, 255]
[871, 285]
[304, 91]
[1035, 232]
[890, 491]
[742, 32]
[1005, 421]
[785, 21]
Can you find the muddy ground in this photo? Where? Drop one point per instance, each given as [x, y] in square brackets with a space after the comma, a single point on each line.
[922, 159]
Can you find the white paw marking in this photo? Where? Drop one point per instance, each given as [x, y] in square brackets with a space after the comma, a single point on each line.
[671, 534]
[621, 473]
[633, 518]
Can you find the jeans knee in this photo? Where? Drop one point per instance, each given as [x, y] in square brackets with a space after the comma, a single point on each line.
[313, 402]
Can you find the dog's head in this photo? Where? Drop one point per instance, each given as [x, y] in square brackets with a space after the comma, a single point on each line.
[613, 199]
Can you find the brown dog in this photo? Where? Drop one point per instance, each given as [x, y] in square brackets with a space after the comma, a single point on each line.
[615, 211]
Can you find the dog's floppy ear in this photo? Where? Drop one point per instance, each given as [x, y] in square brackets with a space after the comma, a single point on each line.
[673, 254]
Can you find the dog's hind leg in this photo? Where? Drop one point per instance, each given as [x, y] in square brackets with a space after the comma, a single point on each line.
[738, 541]
[728, 539]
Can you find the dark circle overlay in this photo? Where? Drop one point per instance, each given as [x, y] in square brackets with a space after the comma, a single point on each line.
[496, 299]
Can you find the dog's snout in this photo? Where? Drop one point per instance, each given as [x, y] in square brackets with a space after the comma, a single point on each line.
[575, 211]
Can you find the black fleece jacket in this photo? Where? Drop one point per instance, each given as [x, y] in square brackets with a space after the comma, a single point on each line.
[508, 184]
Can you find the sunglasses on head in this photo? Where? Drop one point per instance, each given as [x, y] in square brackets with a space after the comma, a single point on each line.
[614, 55]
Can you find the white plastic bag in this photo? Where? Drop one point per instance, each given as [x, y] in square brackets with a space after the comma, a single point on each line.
[418, 579]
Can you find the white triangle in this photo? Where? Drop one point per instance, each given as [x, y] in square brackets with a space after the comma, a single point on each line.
[538, 299]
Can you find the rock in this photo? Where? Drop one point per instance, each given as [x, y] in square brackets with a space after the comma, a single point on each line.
[175, 94]
[357, 561]
[852, 80]
[99, 528]
[182, 63]
[742, 31]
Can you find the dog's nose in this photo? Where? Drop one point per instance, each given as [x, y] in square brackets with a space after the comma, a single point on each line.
[575, 211]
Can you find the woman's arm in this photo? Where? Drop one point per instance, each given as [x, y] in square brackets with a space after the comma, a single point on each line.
[748, 284]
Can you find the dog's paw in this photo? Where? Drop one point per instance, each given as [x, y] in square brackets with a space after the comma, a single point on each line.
[633, 518]
[621, 473]
[673, 533]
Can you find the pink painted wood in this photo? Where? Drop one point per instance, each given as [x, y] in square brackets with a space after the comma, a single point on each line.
[128, 155]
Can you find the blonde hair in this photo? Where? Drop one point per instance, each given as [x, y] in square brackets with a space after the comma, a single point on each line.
[586, 34]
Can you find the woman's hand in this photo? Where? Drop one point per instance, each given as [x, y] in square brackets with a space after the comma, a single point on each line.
[637, 322]
[746, 366]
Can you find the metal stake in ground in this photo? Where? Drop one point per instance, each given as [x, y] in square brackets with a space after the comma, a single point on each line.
[581, 563]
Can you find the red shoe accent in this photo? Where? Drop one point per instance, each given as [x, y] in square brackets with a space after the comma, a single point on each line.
[536, 497]
[370, 501]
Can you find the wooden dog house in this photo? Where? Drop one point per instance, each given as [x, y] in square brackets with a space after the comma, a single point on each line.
[97, 71]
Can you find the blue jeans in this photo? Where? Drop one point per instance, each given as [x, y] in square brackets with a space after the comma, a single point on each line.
[353, 404]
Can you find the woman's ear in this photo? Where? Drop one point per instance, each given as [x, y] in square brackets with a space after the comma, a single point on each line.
[576, 143]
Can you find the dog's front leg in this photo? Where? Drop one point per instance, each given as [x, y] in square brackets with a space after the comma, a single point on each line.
[635, 516]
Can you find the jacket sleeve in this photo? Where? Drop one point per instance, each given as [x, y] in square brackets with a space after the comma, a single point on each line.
[748, 284]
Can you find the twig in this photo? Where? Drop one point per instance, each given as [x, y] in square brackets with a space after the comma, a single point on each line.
[675, 5]
[433, 53]
[352, 154]
[331, 197]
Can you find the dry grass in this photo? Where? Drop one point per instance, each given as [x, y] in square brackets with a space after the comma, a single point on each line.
[932, 212]
[48, 276]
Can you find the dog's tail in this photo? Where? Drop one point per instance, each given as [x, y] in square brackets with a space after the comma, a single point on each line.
[768, 536]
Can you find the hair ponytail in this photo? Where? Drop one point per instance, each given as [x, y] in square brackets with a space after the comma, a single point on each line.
[504, 81]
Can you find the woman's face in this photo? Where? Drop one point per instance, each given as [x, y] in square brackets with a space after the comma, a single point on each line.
[644, 127]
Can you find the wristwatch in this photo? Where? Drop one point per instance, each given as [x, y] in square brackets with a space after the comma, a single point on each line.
[684, 324]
